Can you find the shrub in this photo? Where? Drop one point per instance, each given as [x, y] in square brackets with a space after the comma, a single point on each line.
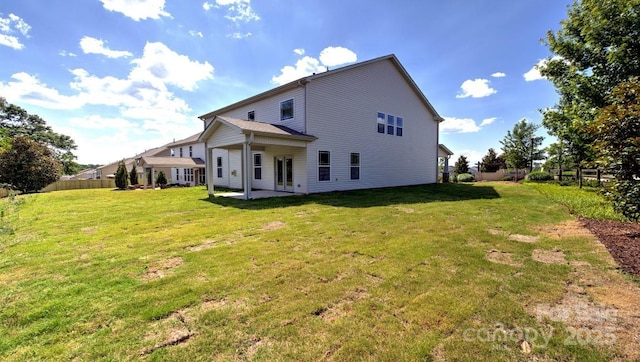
[465, 177]
[121, 176]
[161, 179]
[133, 175]
[538, 176]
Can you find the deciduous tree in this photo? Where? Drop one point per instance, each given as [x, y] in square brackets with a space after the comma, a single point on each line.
[27, 165]
[521, 146]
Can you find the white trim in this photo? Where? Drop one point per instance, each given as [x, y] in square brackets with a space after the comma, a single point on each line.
[359, 167]
[318, 166]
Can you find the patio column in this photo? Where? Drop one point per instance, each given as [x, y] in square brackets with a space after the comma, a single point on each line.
[246, 172]
[208, 169]
[153, 178]
[445, 170]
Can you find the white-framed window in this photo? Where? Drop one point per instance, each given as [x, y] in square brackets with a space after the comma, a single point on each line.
[173, 152]
[177, 174]
[203, 177]
[354, 166]
[286, 109]
[251, 115]
[219, 166]
[257, 166]
[190, 151]
[381, 122]
[188, 174]
[180, 151]
[390, 124]
[324, 166]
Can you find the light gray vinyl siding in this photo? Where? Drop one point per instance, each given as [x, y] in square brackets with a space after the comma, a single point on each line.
[341, 113]
[235, 169]
[225, 136]
[224, 180]
[268, 110]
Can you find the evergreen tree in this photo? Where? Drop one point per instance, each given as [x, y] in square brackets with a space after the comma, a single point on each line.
[491, 162]
[161, 179]
[461, 166]
[121, 176]
[133, 175]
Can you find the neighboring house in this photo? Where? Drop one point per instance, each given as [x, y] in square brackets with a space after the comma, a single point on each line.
[190, 151]
[365, 125]
[109, 170]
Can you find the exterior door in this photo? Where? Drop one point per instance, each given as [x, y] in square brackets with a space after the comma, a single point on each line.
[284, 173]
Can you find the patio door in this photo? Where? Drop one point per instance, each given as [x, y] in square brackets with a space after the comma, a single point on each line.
[284, 173]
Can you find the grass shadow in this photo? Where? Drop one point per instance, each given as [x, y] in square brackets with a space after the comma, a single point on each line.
[368, 197]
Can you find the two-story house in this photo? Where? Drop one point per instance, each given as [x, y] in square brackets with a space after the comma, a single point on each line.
[365, 125]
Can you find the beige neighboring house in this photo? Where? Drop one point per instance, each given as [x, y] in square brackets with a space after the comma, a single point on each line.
[445, 154]
[109, 170]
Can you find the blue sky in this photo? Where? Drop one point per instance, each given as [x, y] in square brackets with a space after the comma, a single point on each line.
[123, 76]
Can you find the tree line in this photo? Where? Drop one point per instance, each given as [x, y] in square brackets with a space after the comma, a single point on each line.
[595, 68]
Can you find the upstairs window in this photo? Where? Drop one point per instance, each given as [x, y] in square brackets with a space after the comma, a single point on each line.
[399, 126]
[324, 166]
[391, 121]
[286, 109]
[180, 151]
[381, 118]
[190, 151]
[251, 115]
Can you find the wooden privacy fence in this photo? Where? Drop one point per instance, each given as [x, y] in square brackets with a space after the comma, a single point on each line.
[80, 184]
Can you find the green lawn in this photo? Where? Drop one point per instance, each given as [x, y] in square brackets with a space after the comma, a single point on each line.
[392, 274]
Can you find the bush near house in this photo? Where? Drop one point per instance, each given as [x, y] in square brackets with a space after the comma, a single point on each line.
[161, 179]
[465, 177]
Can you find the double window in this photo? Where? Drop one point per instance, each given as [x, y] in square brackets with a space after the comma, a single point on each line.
[286, 109]
[188, 174]
[257, 166]
[390, 124]
[324, 166]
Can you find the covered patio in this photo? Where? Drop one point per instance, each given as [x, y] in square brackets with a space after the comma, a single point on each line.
[280, 148]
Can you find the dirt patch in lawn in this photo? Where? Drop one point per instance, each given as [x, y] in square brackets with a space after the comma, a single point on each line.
[207, 244]
[515, 237]
[549, 256]
[501, 257]
[343, 307]
[274, 225]
[599, 303]
[170, 331]
[569, 228]
[159, 270]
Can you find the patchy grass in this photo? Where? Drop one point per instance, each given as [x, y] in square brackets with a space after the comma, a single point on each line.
[390, 274]
[587, 202]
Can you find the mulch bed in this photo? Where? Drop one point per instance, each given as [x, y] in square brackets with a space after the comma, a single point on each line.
[622, 239]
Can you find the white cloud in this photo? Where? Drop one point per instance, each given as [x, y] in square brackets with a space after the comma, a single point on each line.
[161, 64]
[534, 72]
[29, 89]
[207, 6]
[99, 122]
[8, 26]
[237, 10]
[458, 125]
[487, 121]
[65, 53]
[476, 88]
[472, 156]
[196, 33]
[498, 75]
[137, 9]
[304, 67]
[239, 35]
[307, 65]
[299, 51]
[333, 56]
[91, 45]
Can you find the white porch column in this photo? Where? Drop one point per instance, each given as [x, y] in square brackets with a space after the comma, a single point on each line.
[246, 174]
[208, 169]
[153, 178]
